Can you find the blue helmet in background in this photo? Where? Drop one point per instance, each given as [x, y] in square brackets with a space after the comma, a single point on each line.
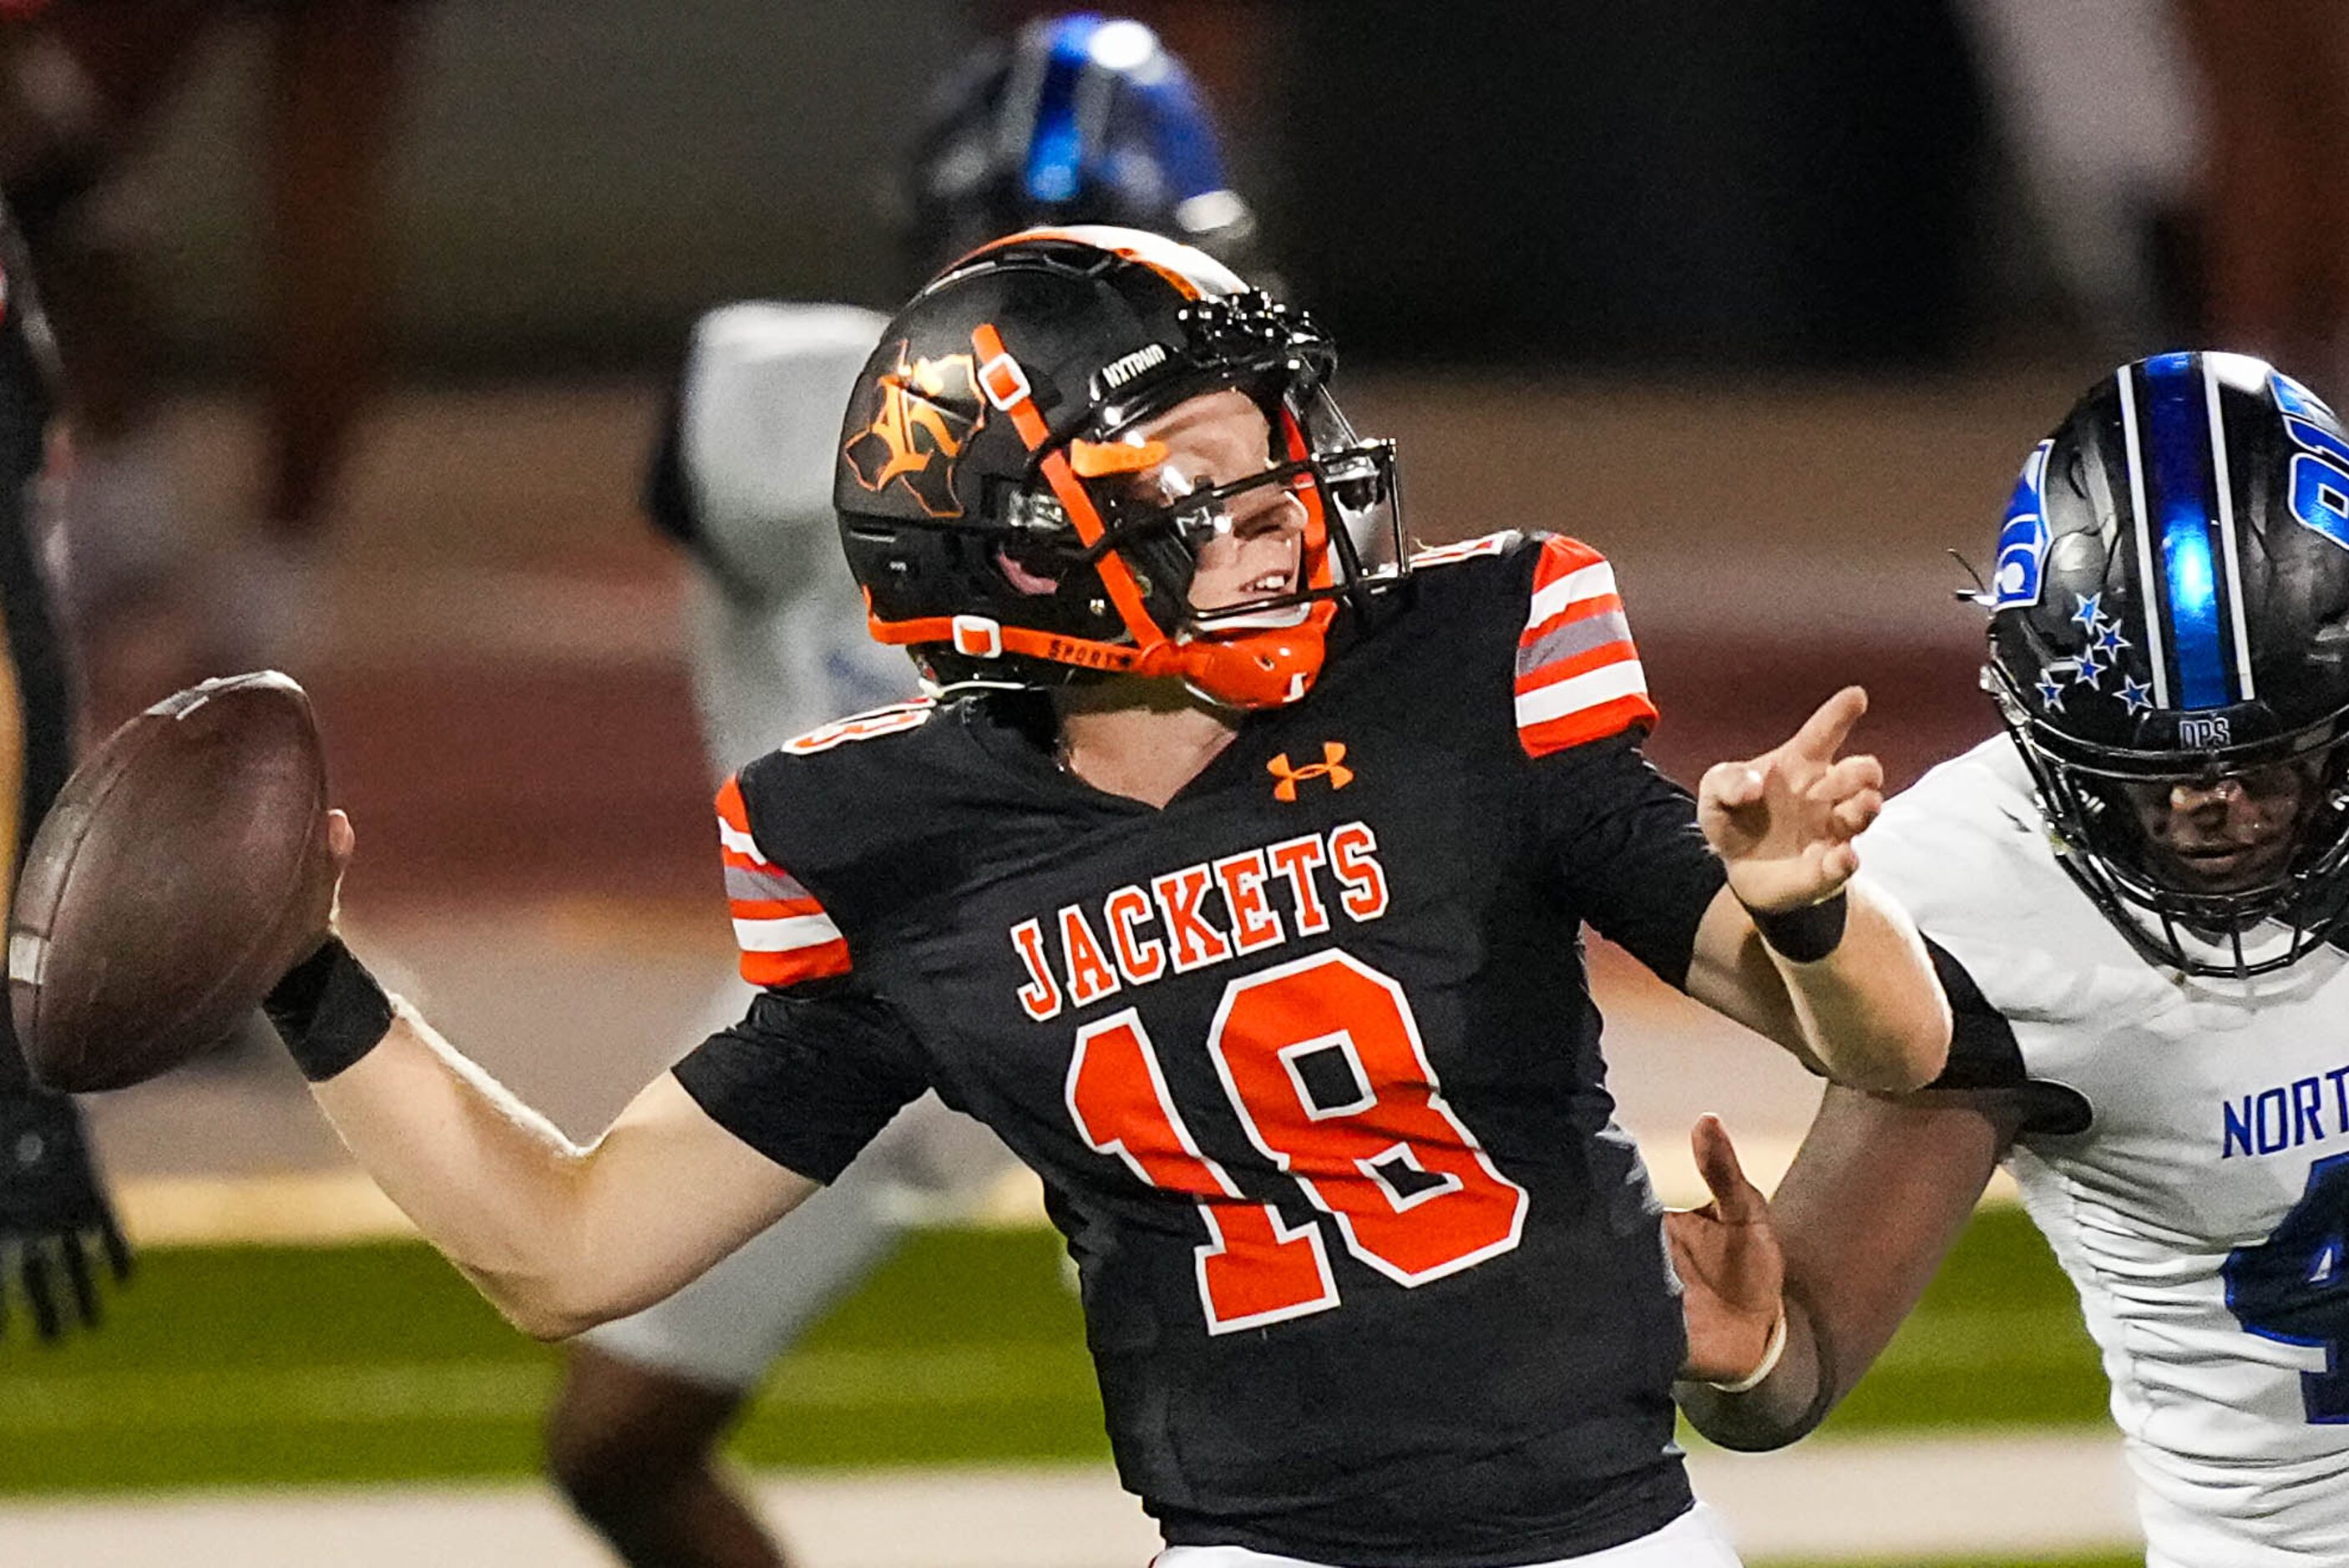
[2170, 603]
[1079, 119]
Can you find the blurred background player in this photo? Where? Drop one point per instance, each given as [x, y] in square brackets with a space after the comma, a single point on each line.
[1077, 120]
[84, 86]
[56, 1223]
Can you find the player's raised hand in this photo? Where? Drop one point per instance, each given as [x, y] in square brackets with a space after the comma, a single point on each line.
[1784, 821]
[1731, 1273]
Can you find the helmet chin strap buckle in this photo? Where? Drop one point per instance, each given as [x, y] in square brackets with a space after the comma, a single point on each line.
[977, 637]
[1005, 384]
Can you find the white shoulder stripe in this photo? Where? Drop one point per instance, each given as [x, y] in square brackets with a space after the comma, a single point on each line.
[787, 934]
[1589, 583]
[1445, 554]
[1589, 689]
[741, 843]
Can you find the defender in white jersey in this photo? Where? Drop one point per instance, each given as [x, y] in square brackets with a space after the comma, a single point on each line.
[2136, 900]
[1078, 119]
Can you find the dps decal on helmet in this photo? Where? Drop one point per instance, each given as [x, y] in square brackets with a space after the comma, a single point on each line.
[927, 410]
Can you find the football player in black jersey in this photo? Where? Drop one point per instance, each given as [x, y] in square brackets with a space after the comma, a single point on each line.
[1075, 118]
[1240, 890]
[55, 1219]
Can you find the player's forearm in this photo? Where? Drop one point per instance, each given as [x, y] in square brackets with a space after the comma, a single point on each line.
[1870, 1013]
[491, 1182]
[559, 1236]
[1782, 1408]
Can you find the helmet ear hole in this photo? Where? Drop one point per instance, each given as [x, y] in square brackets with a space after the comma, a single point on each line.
[1022, 580]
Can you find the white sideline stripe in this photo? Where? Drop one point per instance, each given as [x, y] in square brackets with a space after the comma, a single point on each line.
[322, 1208]
[741, 843]
[2029, 1493]
[785, 934]
[330, 1208]
[1589, 689]
[1584, 582]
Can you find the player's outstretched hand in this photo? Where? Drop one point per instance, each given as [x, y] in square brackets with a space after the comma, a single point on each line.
[56, 1228]
[1731, 1273]
[1783, 823]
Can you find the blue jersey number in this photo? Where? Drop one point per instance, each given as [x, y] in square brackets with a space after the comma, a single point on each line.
[2293, 1287]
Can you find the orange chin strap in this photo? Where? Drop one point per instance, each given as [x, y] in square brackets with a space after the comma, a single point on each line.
[1257, 668]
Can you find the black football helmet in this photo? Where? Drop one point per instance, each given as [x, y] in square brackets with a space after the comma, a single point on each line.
[2170, 603]
[985, 488]
[1081, 119]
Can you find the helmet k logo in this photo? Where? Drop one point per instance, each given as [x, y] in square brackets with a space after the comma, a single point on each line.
[1331, 767]
[930, 411]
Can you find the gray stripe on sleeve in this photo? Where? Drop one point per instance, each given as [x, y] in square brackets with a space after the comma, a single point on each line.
[762, 886]
[1574, 637]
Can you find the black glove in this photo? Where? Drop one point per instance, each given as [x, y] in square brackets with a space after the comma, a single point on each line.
[52, 1210]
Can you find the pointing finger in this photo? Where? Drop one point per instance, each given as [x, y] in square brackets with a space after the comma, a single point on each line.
[1821, 735]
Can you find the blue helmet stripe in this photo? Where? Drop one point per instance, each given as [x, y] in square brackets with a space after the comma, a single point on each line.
[2180, 496]
[1056, 147]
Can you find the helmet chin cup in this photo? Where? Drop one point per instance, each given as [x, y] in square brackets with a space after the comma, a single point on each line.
[1255, 669]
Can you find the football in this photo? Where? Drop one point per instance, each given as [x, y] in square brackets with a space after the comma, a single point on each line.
[182, 870]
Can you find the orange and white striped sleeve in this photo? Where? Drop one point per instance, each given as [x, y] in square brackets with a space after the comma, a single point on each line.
[785, 936]
[1578, 677]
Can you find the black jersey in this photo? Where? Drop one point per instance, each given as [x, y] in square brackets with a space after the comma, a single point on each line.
[36, 688]
[1307, 1059]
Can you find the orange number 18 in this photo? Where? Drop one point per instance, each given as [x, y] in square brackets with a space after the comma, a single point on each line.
[1322, 1062]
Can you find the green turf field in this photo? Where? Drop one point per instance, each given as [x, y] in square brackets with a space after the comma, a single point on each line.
[240, 1365]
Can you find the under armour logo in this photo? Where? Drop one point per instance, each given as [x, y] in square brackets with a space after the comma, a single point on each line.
[1331, 767]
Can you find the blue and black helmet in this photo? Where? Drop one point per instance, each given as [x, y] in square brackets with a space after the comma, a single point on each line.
[2170, 601]
[1079, 120]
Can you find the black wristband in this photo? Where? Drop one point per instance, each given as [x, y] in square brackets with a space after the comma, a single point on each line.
[1807, 934]
[329, 1011]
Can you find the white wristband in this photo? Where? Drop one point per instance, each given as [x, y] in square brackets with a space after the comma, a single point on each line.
[1770, 1355]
